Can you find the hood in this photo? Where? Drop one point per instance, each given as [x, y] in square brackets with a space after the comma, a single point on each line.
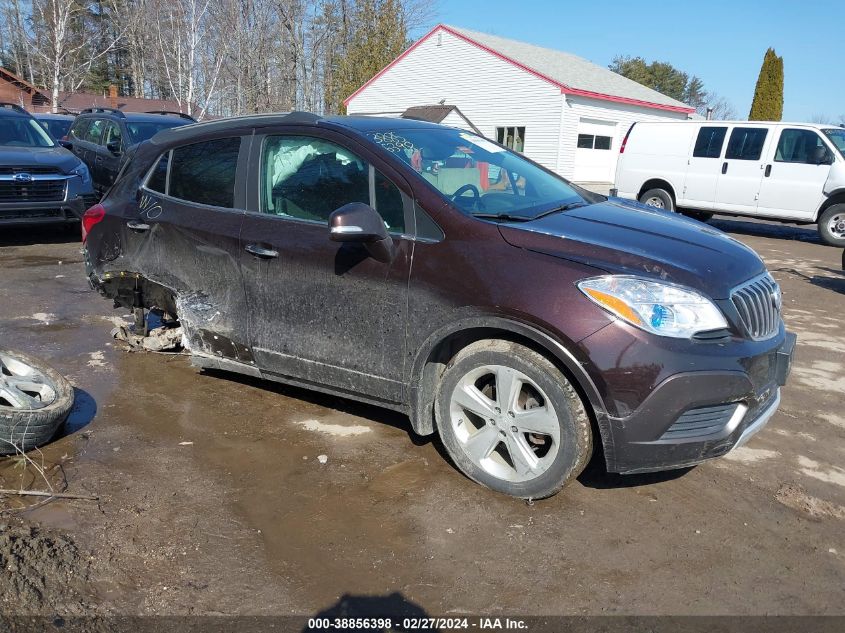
[57, 157]
[629, 238]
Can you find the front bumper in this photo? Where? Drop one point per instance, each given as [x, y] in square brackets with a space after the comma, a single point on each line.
[693, 416]
[28, 213]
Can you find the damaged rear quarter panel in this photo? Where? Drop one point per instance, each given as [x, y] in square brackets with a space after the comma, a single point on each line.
[190, 250]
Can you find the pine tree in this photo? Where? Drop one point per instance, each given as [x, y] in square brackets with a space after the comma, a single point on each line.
[768, 94]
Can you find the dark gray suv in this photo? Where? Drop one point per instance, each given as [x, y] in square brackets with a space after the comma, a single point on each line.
[40, 182]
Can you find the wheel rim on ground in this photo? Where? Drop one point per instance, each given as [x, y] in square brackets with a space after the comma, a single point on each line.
[504, 423]
[24, 387]
[836, 226]
[655, 201]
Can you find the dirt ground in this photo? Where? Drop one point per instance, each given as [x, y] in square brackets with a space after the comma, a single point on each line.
[212, 499]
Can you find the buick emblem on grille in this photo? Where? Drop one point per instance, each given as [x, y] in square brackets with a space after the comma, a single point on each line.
[22, 177]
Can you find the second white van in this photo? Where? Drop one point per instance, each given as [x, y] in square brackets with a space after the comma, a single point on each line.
[792, 172]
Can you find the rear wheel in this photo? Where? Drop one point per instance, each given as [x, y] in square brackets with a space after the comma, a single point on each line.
[832, 225]
[659, 199]
[511, 421]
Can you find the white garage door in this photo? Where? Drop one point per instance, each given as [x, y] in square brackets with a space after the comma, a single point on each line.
[595, 151]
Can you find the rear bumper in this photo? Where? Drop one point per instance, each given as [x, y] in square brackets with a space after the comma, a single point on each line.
[28, 213]
[695, 416]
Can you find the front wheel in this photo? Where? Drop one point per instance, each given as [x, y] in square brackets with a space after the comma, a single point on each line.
[832, 225]
[659, 199]
[511, 421]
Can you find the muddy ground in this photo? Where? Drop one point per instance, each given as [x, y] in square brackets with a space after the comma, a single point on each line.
[212, 499]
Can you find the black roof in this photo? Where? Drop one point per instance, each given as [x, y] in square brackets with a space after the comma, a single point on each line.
[361, 124]
[129, 116]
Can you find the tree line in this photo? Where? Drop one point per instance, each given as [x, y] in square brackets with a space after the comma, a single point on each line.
[221, 57]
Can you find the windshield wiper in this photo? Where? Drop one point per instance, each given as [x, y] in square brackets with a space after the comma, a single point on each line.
[561, 208]
[501, 216]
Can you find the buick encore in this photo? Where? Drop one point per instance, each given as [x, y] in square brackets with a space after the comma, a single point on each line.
[429, 270]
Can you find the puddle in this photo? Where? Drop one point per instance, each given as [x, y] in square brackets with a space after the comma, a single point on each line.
[31, 261]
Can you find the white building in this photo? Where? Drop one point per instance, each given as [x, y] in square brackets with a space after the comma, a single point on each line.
[563, 111]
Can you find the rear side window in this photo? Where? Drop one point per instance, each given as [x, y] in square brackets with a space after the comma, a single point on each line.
[158, 177]
[709, 142]
[799, 146]
[205, 172]
[746, 143]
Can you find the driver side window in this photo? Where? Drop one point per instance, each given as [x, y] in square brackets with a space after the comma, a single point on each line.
[308, 178]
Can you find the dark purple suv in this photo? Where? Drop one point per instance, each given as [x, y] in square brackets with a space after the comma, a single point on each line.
[429, 270]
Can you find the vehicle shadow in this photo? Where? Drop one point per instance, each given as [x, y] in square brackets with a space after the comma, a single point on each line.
[595, 476]
[46, 234]
[394, 607]
[806, 233]
[835, 282]
[375, 413]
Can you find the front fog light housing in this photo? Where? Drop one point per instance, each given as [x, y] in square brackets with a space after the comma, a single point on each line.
[655, 306]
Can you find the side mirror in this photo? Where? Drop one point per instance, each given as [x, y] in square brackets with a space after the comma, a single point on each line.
[114, 147]
[360, 223]
[65, 144]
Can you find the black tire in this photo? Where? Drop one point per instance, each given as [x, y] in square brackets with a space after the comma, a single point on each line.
[24, 429]
[831, 236]
[701, 216]
[658, 194]
[576, 442]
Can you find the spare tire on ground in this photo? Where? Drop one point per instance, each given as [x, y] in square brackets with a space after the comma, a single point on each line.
[34, 400]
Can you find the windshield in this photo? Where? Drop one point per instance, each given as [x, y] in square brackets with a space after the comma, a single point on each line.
[57, 128]
[478, 176]
[144, 130]
[837, 137]
[19, 131]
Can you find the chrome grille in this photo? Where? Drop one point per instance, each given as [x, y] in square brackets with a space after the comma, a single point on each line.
[758, 303]
[33, 191]
[28, 169]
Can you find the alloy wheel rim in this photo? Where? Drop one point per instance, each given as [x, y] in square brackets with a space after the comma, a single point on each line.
[836, 226]
[504, 423]
[654, 201]
[24, 387]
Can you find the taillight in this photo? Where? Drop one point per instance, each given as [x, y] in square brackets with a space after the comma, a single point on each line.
[625, 140]
[91, 217]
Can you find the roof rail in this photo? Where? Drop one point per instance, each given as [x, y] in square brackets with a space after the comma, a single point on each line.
[13, 106]
[183, 115]
[103, 110]
[299, 116]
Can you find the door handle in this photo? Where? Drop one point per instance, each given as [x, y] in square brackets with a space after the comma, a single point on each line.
[138, 226]
[259, 251]
[768, 171]
[725, 167]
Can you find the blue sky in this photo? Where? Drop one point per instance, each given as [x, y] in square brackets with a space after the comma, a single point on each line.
[722, 42]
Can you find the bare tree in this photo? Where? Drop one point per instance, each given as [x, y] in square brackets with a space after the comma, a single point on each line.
[59, 42]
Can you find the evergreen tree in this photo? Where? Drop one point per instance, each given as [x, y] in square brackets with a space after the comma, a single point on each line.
[768, 94]
[373, 34]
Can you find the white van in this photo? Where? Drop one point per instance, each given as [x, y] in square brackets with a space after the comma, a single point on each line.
[780, 171]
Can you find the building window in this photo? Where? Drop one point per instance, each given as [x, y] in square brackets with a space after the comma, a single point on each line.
[591, 141]
[511, 137]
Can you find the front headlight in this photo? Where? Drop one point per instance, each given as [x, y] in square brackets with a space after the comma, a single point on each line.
[81, 170]
[654, 306]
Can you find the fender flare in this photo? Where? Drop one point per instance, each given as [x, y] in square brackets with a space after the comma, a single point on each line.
[423, 384]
